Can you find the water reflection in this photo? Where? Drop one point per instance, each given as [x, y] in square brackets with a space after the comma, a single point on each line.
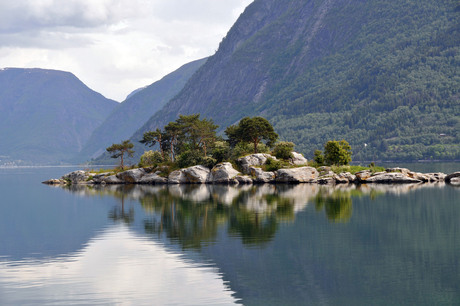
[116, 267]
[192, 215]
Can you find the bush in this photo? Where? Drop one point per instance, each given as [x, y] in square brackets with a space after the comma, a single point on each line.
[220, 151]
[273, 164]
[319, 157]
[150, 158]
[190, 158]
[337, 152]
[209, 162]
[283, 150]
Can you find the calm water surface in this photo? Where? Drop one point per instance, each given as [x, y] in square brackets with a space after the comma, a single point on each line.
[219, 245]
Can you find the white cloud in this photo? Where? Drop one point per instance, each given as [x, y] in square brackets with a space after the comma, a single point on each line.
[114, 46]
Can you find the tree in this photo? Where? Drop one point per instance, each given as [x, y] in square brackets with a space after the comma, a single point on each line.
[283, 149]
[119, 150]
[151, 138]
[337, 152]
[253, 130]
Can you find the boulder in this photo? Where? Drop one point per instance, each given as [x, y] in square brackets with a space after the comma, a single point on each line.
[223, 173]
[261, 176]
[152, 178]
[191, 175]
[389, 178]
[76, 177]
[345, 177]
[455, 181]
[362, 176]
[131, 176]
[111, 179]
[243, 179]
[404, 171]
[452, 176]
[297, 159]
[55, 182]
[249, 161]
[296, 175]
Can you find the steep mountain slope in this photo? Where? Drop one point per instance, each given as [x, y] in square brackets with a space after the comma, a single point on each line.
[137, 109]
[46, 116]
[375, 72]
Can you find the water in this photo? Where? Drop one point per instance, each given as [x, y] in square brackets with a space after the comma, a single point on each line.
[219, 245]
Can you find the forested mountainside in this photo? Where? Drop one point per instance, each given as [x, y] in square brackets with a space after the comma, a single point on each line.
[383, 75]
[46, 116]
[136, 110]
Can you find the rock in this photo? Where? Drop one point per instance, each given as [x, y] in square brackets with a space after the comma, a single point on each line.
[452, 176]
[261, 176]
[362, 176]
[388, 178]
[76, 177]
[249, 161]
[436, 177]
[111, 179]
[152, 178]
[297, 159]
[55, 182]
[131, 176]
[223, 173]
[325, 180]
[345, 177]
[296, 175]
[404, 171]
[191, 175]
[243, 179]
[455, 181]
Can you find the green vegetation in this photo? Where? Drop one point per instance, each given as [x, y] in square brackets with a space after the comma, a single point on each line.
[381, 74]
[283, 149]
[120, 149]
[252, 130]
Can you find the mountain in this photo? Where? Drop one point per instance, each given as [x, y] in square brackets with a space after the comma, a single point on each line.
[137, 109]
[382, 75]
[46, 116]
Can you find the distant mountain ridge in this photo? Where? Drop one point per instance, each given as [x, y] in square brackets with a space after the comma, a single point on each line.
[140, 105]
[381, 74]
[46, 116]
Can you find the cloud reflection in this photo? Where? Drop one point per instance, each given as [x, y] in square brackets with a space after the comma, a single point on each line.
[117, 267]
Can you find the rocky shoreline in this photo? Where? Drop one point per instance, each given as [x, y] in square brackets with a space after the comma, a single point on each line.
[252, 173]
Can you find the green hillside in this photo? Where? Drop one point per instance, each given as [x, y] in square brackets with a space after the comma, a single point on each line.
[46, 116]
[136, 110]
[384, 75]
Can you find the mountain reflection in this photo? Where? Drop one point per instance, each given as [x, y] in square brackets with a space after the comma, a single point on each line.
[192, 215]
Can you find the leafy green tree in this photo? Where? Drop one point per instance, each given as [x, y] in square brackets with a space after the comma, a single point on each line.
[337, 152]
[319, 157]
[120, 149]
[151, 138]
[283, 149]
[253, 130]
[151, 158]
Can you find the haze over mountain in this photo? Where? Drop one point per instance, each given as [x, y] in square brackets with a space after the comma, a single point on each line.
[136, 110]
[46, 116]
[381, 74]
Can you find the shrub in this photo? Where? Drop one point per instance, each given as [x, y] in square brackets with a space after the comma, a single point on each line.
[209, 162]
[151, 158]
[283, 150]
[337, 152]
[189, 158]
[220, 151]
[319, 158]
[273, 164]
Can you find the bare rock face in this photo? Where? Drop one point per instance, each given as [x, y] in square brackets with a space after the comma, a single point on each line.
[55, 182]
[296, 175]
[152, 178]
[223, 173]
[453, 178]
[76, 177]
[362, 176]
[345, 177]
[243, 179]
[394, 177]
[252, 160]
[298, 159]
[111, 179]
[261, 176]
[191, 175]
[131, 176]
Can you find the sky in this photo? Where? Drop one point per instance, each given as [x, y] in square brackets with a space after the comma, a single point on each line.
[113, 46]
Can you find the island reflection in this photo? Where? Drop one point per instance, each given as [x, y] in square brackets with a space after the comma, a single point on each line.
[192, 215]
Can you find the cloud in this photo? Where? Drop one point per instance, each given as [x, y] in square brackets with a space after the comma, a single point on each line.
[114, 46]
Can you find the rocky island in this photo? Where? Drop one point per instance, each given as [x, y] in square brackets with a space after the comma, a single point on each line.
[250, 171]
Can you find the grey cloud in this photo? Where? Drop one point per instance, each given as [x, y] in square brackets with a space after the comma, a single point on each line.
[29, 15]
